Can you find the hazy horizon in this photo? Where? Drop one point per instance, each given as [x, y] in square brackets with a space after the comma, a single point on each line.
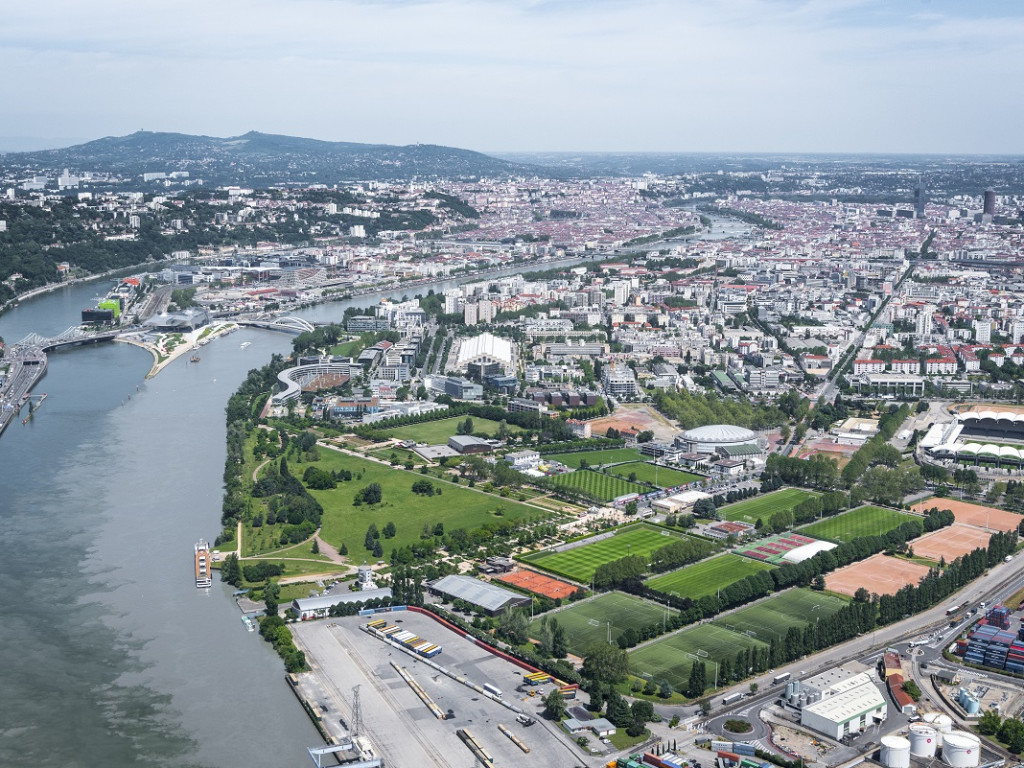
[22, 144]
[708, 76]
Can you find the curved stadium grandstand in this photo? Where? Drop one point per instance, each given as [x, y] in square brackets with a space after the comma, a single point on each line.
[979, 437]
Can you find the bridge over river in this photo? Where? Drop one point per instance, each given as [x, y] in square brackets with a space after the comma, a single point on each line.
[72, 337]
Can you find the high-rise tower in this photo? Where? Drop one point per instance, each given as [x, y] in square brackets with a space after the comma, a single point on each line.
[919, 191]
[990, 202]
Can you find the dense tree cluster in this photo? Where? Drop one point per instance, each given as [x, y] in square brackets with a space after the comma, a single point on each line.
[275, 631]
[288, 502]
[618, 572]
[261, 571]
[319, 479]
[370, 494]
[697, 410]
[876, 450]
[817, 471]
[423, 488]
[680, 552]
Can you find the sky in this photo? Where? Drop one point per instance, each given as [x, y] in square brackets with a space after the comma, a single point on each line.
[900, 76]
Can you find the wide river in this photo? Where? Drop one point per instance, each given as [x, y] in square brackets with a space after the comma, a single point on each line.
[109, 654]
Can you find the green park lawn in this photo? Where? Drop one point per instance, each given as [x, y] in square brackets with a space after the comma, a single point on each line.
[438, 432]
[595, 458]
[347, 348]
[749, 510]
[663, 477]
[706, 577]
[456, 507]
[863, 521]
[401, 454]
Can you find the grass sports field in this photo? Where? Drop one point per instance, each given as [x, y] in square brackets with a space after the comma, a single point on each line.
[591, 621]
[438, 432]
[773, 617]
[580, 562]
[749, 510]
[604, 487]
[595, 458]
[663, 477]
[457, 507]
[672, 657]
[863, 521]
[705, 577]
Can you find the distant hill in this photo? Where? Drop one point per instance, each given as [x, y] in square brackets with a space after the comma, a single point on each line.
[262, 159]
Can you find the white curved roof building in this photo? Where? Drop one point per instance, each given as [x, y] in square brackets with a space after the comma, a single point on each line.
[708, 439]
[485, 349]
[807, 551]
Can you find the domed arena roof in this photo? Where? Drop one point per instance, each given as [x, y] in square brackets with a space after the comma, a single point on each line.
[719, 433]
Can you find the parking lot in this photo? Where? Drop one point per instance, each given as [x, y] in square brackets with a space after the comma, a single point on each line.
[399, 725]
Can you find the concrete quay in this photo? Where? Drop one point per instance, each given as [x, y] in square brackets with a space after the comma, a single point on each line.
[25, 366]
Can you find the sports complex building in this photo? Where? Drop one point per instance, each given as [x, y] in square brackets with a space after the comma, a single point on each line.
[979, 438]
[321, 374]
[726, 440]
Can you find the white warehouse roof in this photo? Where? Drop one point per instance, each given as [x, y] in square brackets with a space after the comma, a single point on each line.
[846, 705]
[485, 348]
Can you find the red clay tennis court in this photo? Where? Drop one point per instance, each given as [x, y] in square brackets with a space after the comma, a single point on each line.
[879, 574]
[989, 518]
[538, 583]
[951, 542]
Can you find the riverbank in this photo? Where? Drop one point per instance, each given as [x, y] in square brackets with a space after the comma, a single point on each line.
[168, 347]
[50, 287]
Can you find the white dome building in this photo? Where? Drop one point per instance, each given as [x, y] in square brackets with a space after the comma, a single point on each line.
[713, 437]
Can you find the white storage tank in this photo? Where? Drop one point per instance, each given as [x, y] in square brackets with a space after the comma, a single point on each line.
[944, 723]
[895, 752]
[924, 740]
[932, 718]
[961, 750]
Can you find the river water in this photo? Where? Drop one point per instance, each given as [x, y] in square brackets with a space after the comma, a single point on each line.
[109, 654]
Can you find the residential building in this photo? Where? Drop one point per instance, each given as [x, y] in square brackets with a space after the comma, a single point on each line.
[619, 381]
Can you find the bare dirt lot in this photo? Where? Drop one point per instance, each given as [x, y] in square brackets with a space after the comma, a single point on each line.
[879, 574]
[986, 518]
[637, 417]
[951, 542]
